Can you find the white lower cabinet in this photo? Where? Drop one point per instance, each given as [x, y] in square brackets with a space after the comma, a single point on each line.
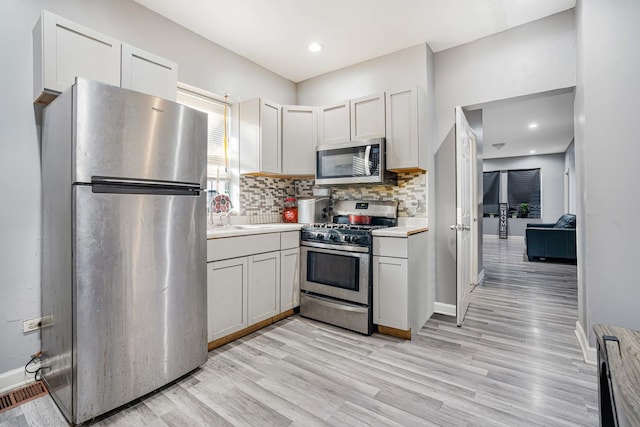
[402, 297]
[258, 283]
[289, 279]
[264, 286]
[227, 283]
[390, 292]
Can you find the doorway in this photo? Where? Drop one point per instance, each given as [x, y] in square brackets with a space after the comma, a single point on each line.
[533, 132]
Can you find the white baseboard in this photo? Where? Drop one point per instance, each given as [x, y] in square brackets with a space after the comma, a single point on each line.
[481, 277]
[16, 378]
[446, 309]
[589, 353]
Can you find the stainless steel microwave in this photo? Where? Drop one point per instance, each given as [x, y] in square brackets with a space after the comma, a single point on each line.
[356, 162]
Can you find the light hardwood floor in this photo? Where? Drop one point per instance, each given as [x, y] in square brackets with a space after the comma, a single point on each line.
[515, 361]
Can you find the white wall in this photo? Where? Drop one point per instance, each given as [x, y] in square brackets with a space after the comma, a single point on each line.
[607, 153]
[201, 63]
[399, 70]
[532, 58]
[551, 179]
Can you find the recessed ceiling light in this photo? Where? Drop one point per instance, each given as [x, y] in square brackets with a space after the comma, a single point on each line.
[315, 47]
[533, 125]
[532, 152]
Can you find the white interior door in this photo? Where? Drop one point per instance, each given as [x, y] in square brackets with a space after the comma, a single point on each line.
[465, 137]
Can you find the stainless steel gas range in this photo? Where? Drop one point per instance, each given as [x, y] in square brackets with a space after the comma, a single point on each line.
[336, 280]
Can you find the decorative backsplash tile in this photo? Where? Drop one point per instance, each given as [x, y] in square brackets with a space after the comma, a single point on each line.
[411, 193]
[262, 198]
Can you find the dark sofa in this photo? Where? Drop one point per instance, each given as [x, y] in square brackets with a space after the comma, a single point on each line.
[556, 240]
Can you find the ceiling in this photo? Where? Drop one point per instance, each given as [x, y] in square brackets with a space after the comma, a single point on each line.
[508, 122]
[275, 33]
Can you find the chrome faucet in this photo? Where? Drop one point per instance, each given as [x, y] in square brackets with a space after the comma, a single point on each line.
[227, 215]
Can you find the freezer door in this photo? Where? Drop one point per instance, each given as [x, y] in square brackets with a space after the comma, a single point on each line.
[139, 294]
[126, 134]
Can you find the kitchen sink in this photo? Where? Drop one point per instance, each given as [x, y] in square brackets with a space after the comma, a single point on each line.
[250, 226]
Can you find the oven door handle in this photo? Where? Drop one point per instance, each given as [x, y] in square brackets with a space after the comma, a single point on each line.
[343, 306]
[336, 248]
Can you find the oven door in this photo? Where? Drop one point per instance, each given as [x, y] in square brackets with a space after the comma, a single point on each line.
[336, 271]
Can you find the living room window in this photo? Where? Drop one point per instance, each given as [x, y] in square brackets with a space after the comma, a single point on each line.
[523, 192]
[218, 171]
[520, 189]
[491, 187]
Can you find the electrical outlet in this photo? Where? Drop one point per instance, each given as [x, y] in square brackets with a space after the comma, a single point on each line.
[32, 325]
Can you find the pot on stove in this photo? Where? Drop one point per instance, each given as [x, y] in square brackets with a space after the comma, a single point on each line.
[360, 219]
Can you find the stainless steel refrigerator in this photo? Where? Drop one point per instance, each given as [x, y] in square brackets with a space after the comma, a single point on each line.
[123, 246]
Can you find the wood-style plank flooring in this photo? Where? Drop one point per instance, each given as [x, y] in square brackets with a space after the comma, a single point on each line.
[515, 362]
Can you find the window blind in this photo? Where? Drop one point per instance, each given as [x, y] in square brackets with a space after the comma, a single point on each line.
[523, 186]
[217, 167]
[491, 187]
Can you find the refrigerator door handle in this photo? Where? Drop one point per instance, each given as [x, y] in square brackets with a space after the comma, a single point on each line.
[141, 182]
[138, 186]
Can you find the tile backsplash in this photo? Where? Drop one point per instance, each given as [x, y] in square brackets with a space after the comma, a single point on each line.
[262, 198]
[411, 193]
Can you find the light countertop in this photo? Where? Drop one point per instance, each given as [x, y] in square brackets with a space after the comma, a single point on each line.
[406, 227]
[221, 232]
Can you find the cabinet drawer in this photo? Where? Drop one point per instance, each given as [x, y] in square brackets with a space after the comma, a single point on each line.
[391, 246]
[233, 247]
[289, 240]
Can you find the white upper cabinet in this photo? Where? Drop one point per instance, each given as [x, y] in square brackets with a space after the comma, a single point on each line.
[299, 139]
[64, 50]
[367, 117]
[260, 137]
[352, 120]
[404, 147]
[334, 124]
[148, 73]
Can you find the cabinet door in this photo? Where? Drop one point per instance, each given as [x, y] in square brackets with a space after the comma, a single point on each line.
[367, 117]
[148, 73]
[390, 292]
[299, 140]
[64, 50]
[264, 286]
[270, 137]
[227, 283]
[289, 279]
[334, 124]
[402, 129]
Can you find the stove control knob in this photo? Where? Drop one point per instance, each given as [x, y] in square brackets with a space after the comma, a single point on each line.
[349, 239]
[320, 236]
[333, 237]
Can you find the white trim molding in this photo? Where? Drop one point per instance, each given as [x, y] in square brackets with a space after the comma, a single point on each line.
[446, 309]
[588, 353]
[481, 277]
[16, 378]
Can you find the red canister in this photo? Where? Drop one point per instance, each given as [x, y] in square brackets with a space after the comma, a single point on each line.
[290, 213]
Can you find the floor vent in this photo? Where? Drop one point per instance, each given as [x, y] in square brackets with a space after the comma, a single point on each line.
[22, 395]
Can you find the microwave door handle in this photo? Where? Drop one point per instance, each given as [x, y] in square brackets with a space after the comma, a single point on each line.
[367, 159]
